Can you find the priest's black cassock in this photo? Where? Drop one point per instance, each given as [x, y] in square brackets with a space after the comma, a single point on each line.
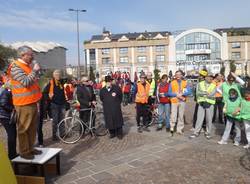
[112, 99]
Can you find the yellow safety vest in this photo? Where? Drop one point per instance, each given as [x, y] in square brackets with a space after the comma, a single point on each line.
[208, 89]
[152, 88]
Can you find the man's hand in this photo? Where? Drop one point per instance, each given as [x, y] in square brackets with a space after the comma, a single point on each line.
[179, 95]
[236, 112]
[161, 94]
[233, 74]
[94, 103]
[182, 98]
[36, 67]
[51, 96]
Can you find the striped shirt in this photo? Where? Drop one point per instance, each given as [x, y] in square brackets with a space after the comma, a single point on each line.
[19, 75]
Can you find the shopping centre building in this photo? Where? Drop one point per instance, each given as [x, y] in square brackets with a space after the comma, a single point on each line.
[188, 50]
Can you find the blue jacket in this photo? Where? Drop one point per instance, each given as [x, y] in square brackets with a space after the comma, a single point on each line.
[6, 105]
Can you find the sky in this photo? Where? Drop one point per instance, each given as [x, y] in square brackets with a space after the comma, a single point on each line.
[50, 20]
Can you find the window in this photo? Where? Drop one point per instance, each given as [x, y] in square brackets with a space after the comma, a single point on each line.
[235, 45]
[141, 49]
[124, 50]
[235, 55]
[105, 51]
[160, 58]
[142, 59]
[106, 60]
[92, 54]
[197, 46]
[180, 47]
[190, 46]
[160, 48]
[197, 57]
[123, 59]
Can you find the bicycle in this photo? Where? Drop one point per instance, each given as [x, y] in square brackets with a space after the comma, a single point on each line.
[153, 109]
[71, 129]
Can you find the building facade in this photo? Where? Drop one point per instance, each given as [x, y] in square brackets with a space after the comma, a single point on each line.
[189, 50]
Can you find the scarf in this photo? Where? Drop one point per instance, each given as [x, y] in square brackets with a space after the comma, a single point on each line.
[52, 84]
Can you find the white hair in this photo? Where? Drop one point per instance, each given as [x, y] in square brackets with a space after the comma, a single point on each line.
[22, 50]
[57, 72]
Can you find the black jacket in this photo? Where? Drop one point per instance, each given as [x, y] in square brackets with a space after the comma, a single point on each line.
[85, 95]
[59, 96]
[6, 105]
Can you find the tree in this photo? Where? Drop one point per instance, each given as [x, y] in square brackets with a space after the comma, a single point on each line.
[91, 74]
[157, 74]
[222, 70]
[170, 74]
[232, 66]
[6, 53]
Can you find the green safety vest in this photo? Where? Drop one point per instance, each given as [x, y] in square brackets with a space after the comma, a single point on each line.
[152, 88]
[209, 89]
[245, 110]
[226, 87]
[232, 106]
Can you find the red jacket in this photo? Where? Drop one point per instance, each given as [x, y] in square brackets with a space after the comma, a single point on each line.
[126, 88]
[163, 89]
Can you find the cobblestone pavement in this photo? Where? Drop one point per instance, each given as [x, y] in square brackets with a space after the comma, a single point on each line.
[150, 158]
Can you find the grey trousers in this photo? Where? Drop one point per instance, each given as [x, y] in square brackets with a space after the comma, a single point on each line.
[228, 128]
[200, 118]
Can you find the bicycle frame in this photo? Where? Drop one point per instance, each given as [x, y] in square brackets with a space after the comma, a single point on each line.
[90, 126]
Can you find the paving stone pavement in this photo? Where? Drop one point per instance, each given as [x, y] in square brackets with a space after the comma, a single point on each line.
[149, 158]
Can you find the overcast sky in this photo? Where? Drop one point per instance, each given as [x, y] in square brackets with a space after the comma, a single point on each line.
[50, 20]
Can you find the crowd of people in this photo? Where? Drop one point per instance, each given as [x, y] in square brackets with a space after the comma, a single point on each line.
[23, 106]
[213, 94]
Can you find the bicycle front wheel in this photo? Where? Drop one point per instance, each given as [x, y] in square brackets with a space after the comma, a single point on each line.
[70, 130]
[100, 129]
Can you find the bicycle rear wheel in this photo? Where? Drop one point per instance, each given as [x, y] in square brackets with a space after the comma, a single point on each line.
[70, 130]
[154, 119]
[100, 129]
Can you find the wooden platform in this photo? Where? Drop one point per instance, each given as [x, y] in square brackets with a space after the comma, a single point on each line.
[41, 163]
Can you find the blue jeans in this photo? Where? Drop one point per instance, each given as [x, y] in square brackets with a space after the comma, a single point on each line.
[164, 114]
[57, 112]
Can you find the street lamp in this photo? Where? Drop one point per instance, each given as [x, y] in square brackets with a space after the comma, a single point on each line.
[78, 44]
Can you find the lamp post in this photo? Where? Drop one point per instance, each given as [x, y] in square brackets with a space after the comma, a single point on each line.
[78, 44]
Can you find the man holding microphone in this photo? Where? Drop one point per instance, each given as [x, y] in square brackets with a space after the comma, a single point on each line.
[26, 94]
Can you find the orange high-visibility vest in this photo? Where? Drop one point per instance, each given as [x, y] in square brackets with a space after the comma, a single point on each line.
[175, 89]
[217, 94]
[68, 91]
[142, 93]
[24, 95]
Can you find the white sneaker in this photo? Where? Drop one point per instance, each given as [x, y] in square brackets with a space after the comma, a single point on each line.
[192, 129]
[246, 146]
[222, 142]
[208, 136]
[236, 143]
[193, 136]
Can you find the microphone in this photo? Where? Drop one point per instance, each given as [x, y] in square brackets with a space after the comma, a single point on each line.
[39, 72]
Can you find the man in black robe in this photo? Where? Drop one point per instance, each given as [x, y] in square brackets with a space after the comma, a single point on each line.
[111, 97]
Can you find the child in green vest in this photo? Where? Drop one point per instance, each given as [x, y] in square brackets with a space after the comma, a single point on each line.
[232, 111]
[245, 115]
